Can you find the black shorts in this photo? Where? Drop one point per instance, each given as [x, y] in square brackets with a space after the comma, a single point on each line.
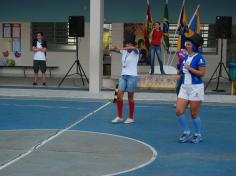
[40, 64]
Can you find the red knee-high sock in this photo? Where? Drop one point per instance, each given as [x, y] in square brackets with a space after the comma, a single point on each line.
[119, 108]
[131, 109]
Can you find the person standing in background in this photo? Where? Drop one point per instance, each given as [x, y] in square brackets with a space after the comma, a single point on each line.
[39, 47]
[156, 39]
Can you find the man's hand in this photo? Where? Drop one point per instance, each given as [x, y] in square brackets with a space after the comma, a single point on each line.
[117, 46]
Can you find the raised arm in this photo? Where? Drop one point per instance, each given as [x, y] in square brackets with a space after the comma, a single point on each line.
[133, 48]
[117, 48]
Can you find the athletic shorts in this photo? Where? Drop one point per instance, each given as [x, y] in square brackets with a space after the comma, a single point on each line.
[192, 92]
[40, 64]
[127, 83]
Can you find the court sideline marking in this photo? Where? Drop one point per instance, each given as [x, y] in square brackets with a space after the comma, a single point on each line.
[42, 106]
[42, 143]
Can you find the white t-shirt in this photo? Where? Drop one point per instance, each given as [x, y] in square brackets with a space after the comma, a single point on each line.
[129, 62]
[39, 55]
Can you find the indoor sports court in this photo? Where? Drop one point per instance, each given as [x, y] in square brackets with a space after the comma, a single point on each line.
[128, 88]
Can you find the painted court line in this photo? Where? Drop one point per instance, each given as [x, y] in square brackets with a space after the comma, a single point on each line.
[89, 100]
[154, 152]
[42, 106]
[153, 158]
[58, 133]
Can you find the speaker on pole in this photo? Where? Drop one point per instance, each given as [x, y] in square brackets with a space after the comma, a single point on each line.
[76, 29]
[223, 30]
[76, 26]
[223, 27]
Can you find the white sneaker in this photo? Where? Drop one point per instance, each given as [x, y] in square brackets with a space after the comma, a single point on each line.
[129, 120]
[117, 120]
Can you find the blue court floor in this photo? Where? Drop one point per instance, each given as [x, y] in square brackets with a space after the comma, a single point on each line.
[155, 125]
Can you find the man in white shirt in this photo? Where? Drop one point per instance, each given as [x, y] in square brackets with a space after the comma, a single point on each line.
[39, 47]
[128, 79]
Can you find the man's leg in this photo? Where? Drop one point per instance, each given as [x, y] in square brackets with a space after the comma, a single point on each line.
[160, 60]
[152, 58]
[36, 69]
[43, 67]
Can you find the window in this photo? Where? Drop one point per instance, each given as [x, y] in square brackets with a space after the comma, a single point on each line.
[56, 35]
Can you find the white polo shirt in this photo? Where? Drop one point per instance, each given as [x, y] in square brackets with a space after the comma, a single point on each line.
[129, 62]
[39, 55]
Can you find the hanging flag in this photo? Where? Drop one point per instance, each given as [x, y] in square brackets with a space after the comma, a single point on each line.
[195, 23]
[166, 25]
[148, 25]
[182, 27]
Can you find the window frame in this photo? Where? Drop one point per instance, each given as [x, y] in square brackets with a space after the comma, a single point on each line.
[53, 43]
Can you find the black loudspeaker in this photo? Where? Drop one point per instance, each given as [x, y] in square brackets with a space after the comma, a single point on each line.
[223, 27]
[76, 26]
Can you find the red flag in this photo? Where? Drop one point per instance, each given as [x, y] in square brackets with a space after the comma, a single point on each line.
[148, 25]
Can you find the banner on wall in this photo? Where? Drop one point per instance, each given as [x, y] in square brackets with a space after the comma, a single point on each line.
[11, 40]
[16, 31]
[138, 30]
[16, 45]
[6, 31]
[7, 44]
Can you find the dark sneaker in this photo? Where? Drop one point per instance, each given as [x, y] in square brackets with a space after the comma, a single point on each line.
[196, 138]
[185, 137]
[34, 84]
[44, 84]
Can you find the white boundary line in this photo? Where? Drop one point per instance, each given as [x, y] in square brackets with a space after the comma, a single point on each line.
[58, 133]
[55, 99]
[153, 158]
[42, 106]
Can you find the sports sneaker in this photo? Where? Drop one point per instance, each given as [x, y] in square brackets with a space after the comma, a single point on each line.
[185, 137]
[117, 120]
[196, 138]
[34, 84]
[129, 120]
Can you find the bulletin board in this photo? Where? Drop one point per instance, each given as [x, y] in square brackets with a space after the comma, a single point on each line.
[11, 37]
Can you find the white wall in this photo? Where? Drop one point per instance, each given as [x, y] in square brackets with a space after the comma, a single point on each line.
[61, 59]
